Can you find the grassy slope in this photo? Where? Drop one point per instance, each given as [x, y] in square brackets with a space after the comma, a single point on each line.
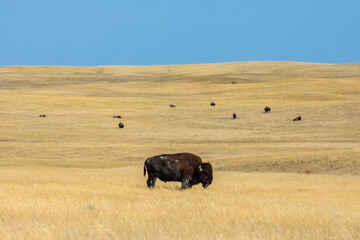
[58, 203]
[75, 174]
[80, 102]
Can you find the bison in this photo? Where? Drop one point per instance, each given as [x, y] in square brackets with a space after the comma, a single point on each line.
[297, 118]
[234, 115]
[186, 168]
[267, 109]
[116, 116]
[172, 105]
[42, 115]
[121, 125]
[212, 104]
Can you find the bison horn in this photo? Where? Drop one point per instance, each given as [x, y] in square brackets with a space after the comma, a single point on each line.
[200, 168]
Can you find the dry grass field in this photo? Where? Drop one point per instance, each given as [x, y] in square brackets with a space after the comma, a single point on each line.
[75, 175]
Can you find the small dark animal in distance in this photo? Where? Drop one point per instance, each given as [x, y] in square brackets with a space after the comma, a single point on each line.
[212, 104]
[186, 168]
[171, 105]
[267, 109]
[117, 116]
[297, 118]
[234, 115]
[121, 125]
[42, 115]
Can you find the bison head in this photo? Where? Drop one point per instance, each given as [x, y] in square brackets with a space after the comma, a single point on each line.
[205, 174]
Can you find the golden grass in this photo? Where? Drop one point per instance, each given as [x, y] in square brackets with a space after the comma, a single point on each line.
[75, 175]
[57, 203]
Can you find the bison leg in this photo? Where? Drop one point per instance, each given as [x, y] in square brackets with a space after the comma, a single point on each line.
[151, 182]
[148, 182]
[185, 183]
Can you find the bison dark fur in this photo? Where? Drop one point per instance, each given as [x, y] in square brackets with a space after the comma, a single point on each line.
[267, 109]
[186, 168]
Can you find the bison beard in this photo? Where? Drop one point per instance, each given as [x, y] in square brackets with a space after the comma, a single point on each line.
[186, 168]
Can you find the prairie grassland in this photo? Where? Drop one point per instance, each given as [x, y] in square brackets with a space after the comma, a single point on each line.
[59, 203]
[75, 175]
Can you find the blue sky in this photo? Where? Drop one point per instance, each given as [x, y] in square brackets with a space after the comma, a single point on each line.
[157, 32]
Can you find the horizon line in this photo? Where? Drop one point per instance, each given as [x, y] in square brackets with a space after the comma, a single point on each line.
[156, 65]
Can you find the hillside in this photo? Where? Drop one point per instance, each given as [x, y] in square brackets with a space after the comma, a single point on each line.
[244, 72]
[80, 103]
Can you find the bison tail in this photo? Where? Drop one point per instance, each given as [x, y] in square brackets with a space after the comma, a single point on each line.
[144, 171]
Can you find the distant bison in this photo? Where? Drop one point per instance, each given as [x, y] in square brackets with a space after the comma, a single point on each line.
[267, 109]
[172, 105]
[186, 168]
[121, 125]
[297, 118]
[117, 116]
[212, 104]
[42, 115]
[234, 115]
